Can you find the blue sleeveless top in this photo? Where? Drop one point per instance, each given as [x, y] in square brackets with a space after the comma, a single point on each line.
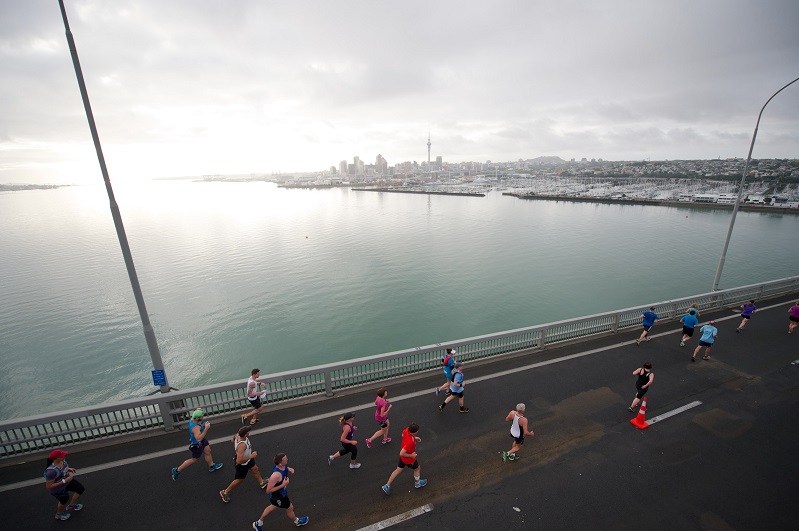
[192, 424]
[282, 492]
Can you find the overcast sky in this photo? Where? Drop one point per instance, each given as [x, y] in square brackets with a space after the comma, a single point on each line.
[198, 87]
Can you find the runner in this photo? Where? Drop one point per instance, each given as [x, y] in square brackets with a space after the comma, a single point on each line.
[689, 322]
[456, 389]
[645, 379]
[793, 316]
[407, 458]
[747, 309]
[348, 445]
[244, 459]
[709, 335]
[60, 481]
[449, 364]
[381, 416]
[276, 488]
[198, 445]
[648, 319]
[254, 396]
[517, 430]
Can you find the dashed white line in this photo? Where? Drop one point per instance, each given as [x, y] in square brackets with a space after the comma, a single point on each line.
[673, 412]
[388, 522]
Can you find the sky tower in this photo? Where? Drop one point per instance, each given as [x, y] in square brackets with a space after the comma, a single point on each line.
[428, 150]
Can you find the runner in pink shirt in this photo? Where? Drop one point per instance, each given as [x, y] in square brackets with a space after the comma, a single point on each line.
[381, 416]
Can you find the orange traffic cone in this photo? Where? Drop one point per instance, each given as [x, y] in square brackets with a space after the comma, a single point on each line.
[639, 421]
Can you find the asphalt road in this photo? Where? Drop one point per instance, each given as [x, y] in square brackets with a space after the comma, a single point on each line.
[725, 464]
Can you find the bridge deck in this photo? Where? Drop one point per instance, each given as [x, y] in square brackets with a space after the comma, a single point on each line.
[725, 464]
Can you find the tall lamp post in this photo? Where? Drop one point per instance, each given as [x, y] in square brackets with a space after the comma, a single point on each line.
[741, 189]
[159, 375]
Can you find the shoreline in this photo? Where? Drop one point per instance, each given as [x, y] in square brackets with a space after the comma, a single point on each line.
[645, 202]
[395, 191]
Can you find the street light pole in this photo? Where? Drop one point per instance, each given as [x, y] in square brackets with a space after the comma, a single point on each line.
[741, 189]
[149, 334]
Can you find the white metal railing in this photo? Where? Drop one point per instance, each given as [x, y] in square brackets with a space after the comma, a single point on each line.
[171, 410]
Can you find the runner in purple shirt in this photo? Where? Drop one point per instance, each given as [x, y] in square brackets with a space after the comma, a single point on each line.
[793, 315]
[747, 310]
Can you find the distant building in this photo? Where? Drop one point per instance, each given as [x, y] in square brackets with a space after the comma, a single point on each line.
[381, 165]
[705, 198]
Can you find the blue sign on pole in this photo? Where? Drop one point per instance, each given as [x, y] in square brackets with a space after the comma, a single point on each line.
[159, 378]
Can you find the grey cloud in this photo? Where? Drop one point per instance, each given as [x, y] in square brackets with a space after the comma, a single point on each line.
[499, 80]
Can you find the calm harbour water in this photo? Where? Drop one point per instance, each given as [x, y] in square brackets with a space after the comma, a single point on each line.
[243, 275]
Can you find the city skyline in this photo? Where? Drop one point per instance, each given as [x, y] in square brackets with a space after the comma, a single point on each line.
[204, 88]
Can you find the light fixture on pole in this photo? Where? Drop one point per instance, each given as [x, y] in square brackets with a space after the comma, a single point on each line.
[741, 189]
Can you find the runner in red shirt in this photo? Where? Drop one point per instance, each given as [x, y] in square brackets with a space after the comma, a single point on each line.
[407, 458]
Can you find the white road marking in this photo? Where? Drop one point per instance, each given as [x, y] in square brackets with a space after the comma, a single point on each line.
[673, 412]
[388, 522]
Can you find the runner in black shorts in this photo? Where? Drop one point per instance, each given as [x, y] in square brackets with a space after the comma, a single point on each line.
[244, 460]
[407, 458]
[276, 488]
[645, 379]
[518, 430]
[347, 423]
[254, 390]
[456, 389]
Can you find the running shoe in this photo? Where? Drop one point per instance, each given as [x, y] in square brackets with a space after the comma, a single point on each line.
[263, 484]
[224, 496]
[682, 343]
[637, 341]
[175, 474]
[74, 507]
[62, 516]
[244, 419]
[368, 443]
[302, 520]
[386, 440]
[329, 459]
[441, 408]
[512, 457]
[214, 467]
[355, 465]
[504, 456]
[257, 527]
[464, 410]
[386, 489]
[419, 484]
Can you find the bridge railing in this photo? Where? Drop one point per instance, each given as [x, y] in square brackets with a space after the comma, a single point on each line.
[172, 410]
